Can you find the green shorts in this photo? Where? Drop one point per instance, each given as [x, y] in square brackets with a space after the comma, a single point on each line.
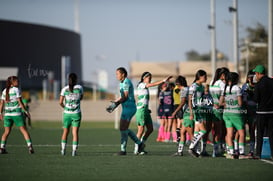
[73, 120]
[186, 120]
[234, 121]
[143, 117]
[199, 115]
[217, 115]
[17, 120]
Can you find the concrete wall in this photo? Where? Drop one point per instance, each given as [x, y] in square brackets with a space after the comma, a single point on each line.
[91, 111]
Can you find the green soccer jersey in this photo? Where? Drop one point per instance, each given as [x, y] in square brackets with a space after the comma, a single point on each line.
[197, 91]
[216, 90]
[12, 107]
[127, 86]
[143, 96]
[72, 99]
[231, 99]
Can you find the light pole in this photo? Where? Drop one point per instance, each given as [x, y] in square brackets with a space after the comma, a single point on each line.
[270, 38]
[234, 10]
[213, 38]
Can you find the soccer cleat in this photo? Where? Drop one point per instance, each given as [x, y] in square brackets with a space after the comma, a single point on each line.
[141, 147]
[193, 153]
[159, 139]
[243, 156]
[30, 150]
[178, 154]
[143, 152]
[120, 153]
[3, 151]
[229, 156]
[74, 153]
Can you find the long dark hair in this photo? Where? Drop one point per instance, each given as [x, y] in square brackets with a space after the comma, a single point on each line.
[123, 71]
[217, 75]
[233, 79]
[8, 85]
[145, 74]
[225, 71]
[199, 74]
[72, 81]
[181, 80]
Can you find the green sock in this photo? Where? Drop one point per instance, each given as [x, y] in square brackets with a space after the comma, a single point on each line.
[28, 142]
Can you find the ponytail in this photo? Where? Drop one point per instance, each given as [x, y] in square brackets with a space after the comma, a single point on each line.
[8, 86]
[72, 81]
[198, 74]
[233, 79]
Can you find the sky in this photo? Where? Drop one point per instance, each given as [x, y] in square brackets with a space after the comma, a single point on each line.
[116, 32]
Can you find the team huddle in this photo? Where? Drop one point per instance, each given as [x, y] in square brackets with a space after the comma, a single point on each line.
[193, 113]
[216, 108]
[221, 108]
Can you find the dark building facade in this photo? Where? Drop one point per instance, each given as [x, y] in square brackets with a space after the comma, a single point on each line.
[38, 50]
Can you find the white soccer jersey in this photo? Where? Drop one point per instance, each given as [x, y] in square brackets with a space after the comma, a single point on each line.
[216, 90]
[72, 99]
[143, 95]
[12, 108]
[231, 99]
[197, 91]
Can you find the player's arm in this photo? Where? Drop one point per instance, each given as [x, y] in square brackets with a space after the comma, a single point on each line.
[23, 106]
[222, 101]
[240, 101]
[123, 98]
[158, 82]
[182, 103]
[1, 108]
[191, 107]
[61, 101]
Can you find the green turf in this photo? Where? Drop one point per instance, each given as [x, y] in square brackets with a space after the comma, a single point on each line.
[95, 160]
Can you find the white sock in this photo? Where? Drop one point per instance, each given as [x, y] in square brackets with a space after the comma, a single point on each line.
[180, 147]
[63, 146]
[241, 148]
[74, 147]
[195, 139]
[136, 148]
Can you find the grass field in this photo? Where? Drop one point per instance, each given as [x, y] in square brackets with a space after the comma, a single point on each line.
[95, 160]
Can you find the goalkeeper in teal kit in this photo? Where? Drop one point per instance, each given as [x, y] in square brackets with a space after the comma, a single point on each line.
[127, 100]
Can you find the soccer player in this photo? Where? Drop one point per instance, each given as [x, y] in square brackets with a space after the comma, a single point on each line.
[70, 98]
[11, 102]
[143, 114]
[196, 92]
[160, 114]
[207, 107]
[167, 99]
[178, 113]
[127, 100]
[217, 86]
[251, 106]
[187, 124]
[231, 99]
